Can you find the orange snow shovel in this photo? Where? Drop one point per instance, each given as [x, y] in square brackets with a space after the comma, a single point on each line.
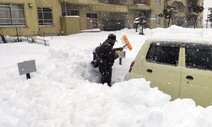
[127, 43]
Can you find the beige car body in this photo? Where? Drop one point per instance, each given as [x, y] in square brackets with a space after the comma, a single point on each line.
[172, 79]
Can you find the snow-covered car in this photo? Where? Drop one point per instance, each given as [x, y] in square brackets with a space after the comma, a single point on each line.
[179, 67]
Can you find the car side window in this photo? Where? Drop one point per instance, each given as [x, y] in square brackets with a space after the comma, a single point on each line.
[163, 53]
[199, 56]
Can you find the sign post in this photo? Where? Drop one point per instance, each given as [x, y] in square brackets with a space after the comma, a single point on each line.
[27, 67]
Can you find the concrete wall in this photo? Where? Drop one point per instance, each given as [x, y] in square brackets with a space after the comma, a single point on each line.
[83, 22]
[70, 25]
[156, 9]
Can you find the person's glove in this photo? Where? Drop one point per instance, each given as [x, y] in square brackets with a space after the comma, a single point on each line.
[119, 49]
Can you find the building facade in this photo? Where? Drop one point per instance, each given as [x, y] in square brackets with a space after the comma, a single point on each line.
[64, 17]
[184, 16]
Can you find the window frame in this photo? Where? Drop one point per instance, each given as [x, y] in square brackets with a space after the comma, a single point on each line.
[45, 21]
[135, 2]
[67, 10]
[12, 12]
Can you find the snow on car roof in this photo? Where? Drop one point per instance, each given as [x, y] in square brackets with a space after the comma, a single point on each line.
[179, 34]
[181, 39]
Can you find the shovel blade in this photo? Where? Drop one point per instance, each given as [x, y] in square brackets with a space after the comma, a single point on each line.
[126, 41]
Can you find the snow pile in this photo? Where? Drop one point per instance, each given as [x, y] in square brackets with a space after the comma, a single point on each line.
[64, 93]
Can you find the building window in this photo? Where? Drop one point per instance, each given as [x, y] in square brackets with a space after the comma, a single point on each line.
[146, 2]
[67, 10]
[157, 1]
[45, 16]
[178, 6]
[91, 15]
[73, 12]
[118, 2]
[11, 15]
[157, 19]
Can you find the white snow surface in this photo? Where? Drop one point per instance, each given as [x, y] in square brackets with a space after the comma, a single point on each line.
[64, 93]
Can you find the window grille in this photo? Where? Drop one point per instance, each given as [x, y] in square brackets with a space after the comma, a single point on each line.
[45, 16]
[67, 10]
[12, 15]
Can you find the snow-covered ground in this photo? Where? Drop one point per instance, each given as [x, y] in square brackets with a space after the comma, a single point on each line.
[64, 93]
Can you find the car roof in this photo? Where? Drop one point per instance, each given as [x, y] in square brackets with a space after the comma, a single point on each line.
[198, 40]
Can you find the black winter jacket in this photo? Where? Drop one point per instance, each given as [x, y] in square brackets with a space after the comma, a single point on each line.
[107, 54]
